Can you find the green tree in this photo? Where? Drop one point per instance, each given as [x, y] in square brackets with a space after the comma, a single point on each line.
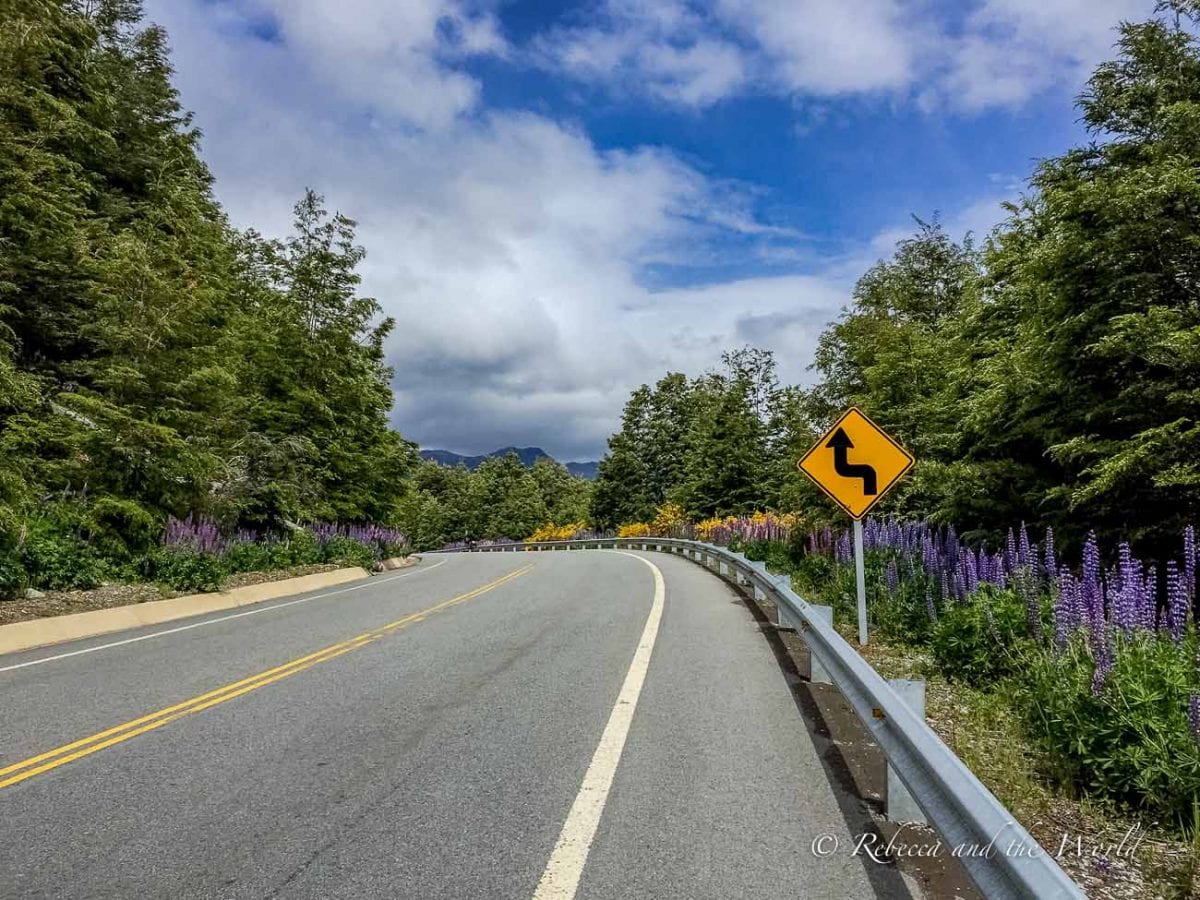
[899, 354]
[506, 499]
[727, 458]
[315, 373]
[1086, 396]
[620, 495]
[565, 497]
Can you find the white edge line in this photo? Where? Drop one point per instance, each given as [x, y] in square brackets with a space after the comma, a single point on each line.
[250, 612]
[560, 879]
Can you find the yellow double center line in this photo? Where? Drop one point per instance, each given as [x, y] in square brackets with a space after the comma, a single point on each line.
[52, 759]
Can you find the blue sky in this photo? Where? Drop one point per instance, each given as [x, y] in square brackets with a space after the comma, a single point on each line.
[562, 200]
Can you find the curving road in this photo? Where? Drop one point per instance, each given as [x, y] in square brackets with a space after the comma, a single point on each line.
[592, 724]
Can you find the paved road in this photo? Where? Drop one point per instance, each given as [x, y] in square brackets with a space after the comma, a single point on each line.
[426, 734]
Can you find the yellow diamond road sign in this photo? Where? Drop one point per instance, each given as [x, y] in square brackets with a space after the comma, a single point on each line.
[856, 463]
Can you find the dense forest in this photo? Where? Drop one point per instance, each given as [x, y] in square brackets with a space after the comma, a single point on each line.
[1050, 375]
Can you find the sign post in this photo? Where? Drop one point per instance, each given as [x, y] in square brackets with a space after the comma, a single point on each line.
[860, 577]
[855, 463]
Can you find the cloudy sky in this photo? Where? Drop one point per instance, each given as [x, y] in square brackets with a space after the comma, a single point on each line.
[561, 200]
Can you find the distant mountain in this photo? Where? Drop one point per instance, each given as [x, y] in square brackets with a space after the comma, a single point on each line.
[586, 470]
[527, 455]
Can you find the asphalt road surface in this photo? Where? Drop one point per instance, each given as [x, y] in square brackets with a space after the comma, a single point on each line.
[592, 724]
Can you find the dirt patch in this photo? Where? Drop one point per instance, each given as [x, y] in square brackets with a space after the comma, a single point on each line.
[61, 603]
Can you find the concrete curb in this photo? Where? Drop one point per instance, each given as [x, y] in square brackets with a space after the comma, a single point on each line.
[57, 629]
[396, 562]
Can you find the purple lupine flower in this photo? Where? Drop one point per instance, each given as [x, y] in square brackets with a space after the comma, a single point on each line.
[1080, 613]
[195, 533]
[1024, 550]
[893, 576]
[844, 551]
[1091, 560]
[929, 556]
[1177, 603]
[1049, 561]
[1125, 591]
[1193, 714]
[1100, 638]
[930, 606]
[1000, 574]
[1091, 587]
[971, 570]
[952, 547]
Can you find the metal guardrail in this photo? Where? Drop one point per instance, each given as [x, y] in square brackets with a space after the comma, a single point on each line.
[1000, 856]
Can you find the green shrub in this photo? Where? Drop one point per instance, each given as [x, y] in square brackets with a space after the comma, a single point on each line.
[249, 556]
[814, 573]
[299, 548]
[981, 639]
[120, 530]
[774, 553]
[185, 570]
[59, 561]
[348, 552]
[12, 573]
[903, 615]
[1130, 738]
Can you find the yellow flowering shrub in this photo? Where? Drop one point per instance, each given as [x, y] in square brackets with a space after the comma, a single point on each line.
[669, 519]
[552, 532]
[707, 528]
[635, 530]
[760, 524]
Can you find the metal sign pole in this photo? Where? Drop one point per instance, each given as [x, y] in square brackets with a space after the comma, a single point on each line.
[860, 575]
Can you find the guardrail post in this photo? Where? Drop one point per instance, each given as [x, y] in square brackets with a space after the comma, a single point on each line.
[901, 807]
[816, 671]
[783, 616]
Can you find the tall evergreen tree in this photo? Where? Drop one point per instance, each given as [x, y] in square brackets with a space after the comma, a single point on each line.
[1088, 395]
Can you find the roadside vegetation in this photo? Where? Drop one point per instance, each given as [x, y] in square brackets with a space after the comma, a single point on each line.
[1074, 693]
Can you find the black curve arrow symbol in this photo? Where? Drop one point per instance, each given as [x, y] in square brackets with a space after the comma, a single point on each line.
[840, 442]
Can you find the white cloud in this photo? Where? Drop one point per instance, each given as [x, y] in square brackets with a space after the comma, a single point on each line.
[385, 54]
[829, 47]
[507, 246]
[990, 53]
[653, 47]
[1012, 49]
